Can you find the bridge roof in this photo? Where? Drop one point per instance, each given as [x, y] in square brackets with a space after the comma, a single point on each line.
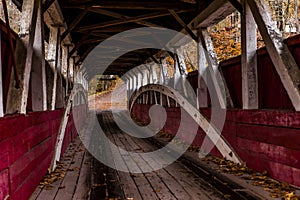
[91, 22]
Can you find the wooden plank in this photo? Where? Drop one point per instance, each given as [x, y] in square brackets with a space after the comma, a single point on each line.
[284, 62]
[68, 185]
[66, 161]
[249, 60]
[174, 181]
[128, 185]
[83, 184]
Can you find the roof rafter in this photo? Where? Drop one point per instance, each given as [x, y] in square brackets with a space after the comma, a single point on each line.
[119, 16]
[138, 5]
[131, 19]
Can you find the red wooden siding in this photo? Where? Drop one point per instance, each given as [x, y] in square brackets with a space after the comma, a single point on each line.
[26, 149]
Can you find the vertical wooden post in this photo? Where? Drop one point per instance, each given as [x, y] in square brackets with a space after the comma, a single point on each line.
[30, 50]
[54, 56]
[249, 59]
[182, 70]
[1, 81]
[60, 94]
[38, 72]
[283, 60]
[213, 66]
[164, 69]
[202, 66]
[176, 75]
[61, 132]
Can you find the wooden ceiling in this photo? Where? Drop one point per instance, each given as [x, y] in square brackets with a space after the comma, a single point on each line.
[92, 21]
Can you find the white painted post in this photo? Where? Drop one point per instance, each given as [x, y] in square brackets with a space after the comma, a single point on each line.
[282, 58]
[165, 71]
[1, 81]
[176, 75]
[30, 9]
[249, 59]
[145, 76]
[53, 55]
[38, 72]
[61, 133]
[213, 66]
[154, 73]
[183, 69]
[202, 93]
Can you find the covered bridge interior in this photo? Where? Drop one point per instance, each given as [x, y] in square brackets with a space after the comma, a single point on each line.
[245, 109]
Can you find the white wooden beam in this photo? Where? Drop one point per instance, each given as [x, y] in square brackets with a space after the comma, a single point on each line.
[176, 75]
[202, 93]
[283, 60]
[53, 54]
[60, 93]
[249, 59]
[1, 81]
[30, 11]
[61, 132]
[213, 133]
[183, 70]
[38, 72]
[216, 73]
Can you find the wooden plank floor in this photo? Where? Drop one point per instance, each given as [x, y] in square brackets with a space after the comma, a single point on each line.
[86, 178]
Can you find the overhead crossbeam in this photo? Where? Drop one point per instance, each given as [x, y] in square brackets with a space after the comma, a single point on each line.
[131, 5]
[128, 20]
[119, 16]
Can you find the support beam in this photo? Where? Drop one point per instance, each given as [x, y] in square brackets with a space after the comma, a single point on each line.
[38, 72]
[47, 4]
[212, 133]
[183, 70]
[281, 57]
[1, 81]
[237, 5]
[215, 73]
[184, 25]
[54, 42]
[249, 59]
[61, 132]
[202, 92]
[32, 11]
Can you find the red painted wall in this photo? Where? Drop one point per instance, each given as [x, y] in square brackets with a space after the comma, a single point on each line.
[265, 140]
[26, 149]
